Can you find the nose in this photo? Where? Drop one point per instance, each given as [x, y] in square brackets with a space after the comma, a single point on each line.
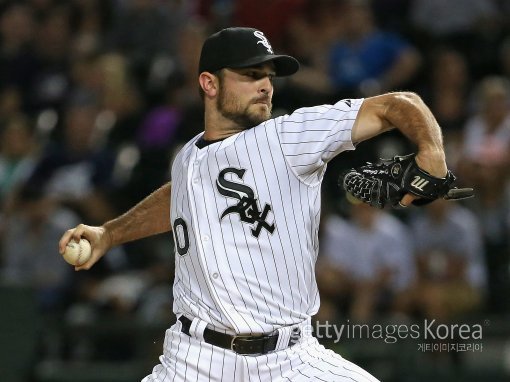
[266, 86]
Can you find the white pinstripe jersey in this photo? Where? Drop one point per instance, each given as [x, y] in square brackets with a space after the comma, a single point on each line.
[245, 215]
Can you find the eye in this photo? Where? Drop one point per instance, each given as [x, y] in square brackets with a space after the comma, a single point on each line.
[256, 75]
[253, 74]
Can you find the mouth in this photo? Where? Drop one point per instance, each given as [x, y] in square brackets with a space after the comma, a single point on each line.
[263, 102]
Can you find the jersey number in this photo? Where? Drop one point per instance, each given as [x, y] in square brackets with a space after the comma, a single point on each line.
[181, 236]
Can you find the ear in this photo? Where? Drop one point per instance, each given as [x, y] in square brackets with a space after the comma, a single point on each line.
[208, 83]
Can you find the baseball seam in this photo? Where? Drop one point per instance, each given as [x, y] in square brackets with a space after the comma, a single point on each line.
[78, 262]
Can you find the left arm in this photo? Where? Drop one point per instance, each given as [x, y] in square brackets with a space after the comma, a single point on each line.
[406, 112]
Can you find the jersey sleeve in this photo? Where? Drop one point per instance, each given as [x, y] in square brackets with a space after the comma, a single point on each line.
[310, 137]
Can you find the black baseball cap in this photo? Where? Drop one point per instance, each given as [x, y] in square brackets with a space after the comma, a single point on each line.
[239, 47]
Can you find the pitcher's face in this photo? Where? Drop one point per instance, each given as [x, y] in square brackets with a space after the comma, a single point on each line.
[245, 95]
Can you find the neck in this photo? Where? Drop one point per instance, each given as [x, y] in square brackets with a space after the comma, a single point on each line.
[218, 127]
[212, 135]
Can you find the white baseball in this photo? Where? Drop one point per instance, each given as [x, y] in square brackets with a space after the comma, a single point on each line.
[77, 253]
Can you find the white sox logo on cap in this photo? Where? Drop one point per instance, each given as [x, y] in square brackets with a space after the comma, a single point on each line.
[239, 47]
[263, 40]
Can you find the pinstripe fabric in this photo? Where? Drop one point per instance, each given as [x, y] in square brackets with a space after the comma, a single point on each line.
[187, 359]
[245, 214]
[233, 279]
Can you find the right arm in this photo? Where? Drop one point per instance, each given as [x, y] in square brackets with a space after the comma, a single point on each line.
[149, 217]
[408, 113]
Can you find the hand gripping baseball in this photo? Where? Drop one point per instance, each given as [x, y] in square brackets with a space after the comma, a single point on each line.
[389, 180]
[100, 243]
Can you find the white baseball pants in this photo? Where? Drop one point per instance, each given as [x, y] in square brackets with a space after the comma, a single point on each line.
[187, 358]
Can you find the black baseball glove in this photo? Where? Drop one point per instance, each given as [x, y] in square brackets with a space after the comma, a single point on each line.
[386, 182]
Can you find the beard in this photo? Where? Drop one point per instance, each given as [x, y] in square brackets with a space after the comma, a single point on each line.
[230, 108]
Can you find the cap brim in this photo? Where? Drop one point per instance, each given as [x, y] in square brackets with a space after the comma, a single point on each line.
[284, 65]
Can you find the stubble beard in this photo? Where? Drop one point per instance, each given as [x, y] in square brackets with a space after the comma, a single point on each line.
[230, 108]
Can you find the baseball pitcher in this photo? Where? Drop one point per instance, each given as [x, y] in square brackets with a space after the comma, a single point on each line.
[244, 206]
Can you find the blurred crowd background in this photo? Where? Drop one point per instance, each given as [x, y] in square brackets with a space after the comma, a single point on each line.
[96, 97]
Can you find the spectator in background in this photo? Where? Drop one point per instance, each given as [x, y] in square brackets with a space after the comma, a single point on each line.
[504, 56]
[174, 116]
[18, 150]
[183, 78]
[454, 18]
[144, 29]
[50, 80]
[86, 78]
[487, 132]
[78, 170]
[28, 246]
[356, 57]
[365, 263]
[255, 14]
[90, 19]
[446, 90]
[473, 27]
[366, 60]
[308, 36]
[181, 91]
[484, 163]
[311, 31]
[451, 278]
[120, 99]
[155, 139]
[104, 80]
[485, 151]
[11, 102]
[389, 14]
[17, 59]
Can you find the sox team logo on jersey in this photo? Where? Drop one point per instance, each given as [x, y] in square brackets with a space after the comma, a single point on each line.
[247, 206]
[263, 41]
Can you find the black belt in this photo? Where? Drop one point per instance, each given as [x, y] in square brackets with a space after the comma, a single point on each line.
[245, 345]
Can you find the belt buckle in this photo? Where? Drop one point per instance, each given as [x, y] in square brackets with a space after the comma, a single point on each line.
[295, 336]
[245, 338]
